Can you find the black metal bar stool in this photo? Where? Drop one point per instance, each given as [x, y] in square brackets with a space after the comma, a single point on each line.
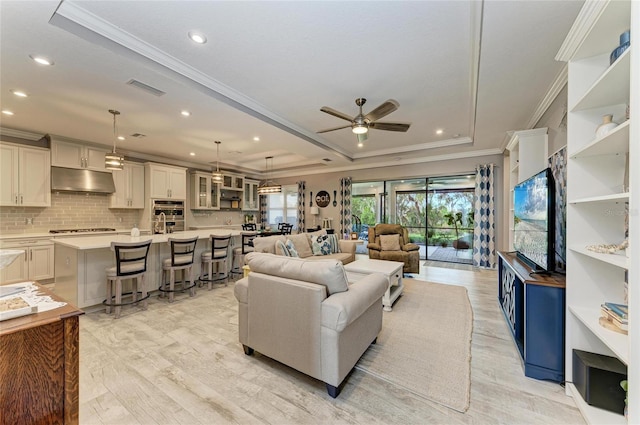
[249, 227]
[131, 263]
[182, 254]
[239, 252]
[218, 255]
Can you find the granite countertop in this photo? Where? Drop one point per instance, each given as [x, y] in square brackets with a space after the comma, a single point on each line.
[104, 241]
[10, 236]
[216, 226]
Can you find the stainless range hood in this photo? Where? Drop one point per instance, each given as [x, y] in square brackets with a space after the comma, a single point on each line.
[76, 180]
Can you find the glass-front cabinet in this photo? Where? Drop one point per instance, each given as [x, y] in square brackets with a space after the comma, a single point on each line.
[251, 201]
[232, 182]
[205, 194]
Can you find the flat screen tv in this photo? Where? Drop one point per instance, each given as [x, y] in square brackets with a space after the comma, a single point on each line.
[533, 204]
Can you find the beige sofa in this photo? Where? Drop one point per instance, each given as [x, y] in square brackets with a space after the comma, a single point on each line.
[302, 243]
[304, 314]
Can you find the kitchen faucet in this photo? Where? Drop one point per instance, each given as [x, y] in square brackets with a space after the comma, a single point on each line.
[162, 216]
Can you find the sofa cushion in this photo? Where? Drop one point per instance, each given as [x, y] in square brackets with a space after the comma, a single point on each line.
[281, 249]
[320, 245]
[301, 242]
[291, 249]
[343, 257]
[329, 273]
[267, 243]
[390, 242]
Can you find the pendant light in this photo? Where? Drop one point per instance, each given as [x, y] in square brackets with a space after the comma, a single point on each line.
[268, 187]
[113, 160]
[216, 176]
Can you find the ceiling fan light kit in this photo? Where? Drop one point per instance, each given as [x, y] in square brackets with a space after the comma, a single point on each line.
[360, 124]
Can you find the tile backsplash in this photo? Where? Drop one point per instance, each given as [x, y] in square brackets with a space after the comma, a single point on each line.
[68, 210]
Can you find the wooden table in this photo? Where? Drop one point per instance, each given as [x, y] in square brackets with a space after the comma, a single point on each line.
[39, 365]
[391, 269]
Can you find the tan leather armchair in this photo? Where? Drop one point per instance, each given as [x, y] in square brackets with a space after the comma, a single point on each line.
[304, 314]
[409, 253]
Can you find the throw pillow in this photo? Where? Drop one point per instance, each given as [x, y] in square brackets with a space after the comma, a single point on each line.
[390, 242]
[301, 242]
[291, 248]
[335, 246]
[281, 249]
[320, 245]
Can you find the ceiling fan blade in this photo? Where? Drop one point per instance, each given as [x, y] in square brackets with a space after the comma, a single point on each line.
[362, 137]
[383, 110]
[335, 113]
[335, 128]
[390, 126]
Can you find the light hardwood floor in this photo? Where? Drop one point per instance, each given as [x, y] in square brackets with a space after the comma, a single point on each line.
[182, 364]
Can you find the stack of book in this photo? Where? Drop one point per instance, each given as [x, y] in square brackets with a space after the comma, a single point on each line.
[616, 314]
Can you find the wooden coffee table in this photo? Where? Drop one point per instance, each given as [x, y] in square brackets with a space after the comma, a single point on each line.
[391, 269]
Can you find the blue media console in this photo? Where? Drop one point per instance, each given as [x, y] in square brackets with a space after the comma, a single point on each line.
[534, 308]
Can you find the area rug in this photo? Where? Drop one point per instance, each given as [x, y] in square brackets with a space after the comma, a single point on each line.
[425, 344]
[449, 254]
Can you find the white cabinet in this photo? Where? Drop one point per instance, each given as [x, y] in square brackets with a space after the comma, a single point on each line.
[37, 262]
[600, 196]
[73, 155]
[205, 193]
[165, 181]
[25, 176]
[528, 155]
[129, 184]
[251, 201]
[232, 182]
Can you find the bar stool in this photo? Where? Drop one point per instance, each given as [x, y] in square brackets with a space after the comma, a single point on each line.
[239, 252]
[285, 228]
[249, 227]
[218, 255]
[131, 263]
[182, 253]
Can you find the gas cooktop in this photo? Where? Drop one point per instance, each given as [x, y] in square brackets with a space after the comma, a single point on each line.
[95, 229]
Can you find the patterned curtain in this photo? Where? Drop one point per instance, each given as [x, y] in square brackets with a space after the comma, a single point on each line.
[345, 206]
[301, 189]
[264, 199]
[484, 240]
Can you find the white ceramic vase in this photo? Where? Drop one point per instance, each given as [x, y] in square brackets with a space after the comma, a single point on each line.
[606, 126]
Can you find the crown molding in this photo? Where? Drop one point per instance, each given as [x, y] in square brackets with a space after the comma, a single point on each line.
[20, 134]
[556, 87]
[415, 148]
[517, 135]
[77, 20]
[588, 16]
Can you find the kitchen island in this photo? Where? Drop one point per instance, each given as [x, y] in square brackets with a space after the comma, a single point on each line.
[80, 262]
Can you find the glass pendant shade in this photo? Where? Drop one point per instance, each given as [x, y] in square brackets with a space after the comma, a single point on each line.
[359, 129]
[114, 160]
[216, 176]
[267, 187]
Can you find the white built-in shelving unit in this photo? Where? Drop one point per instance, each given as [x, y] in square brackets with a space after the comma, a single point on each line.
[599, 195]
[532, 147]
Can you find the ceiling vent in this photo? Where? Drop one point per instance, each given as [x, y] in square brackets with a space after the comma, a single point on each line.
[152, 90]
[138, 135]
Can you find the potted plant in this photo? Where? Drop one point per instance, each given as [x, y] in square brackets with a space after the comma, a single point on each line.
[453, 219]
[625, 386]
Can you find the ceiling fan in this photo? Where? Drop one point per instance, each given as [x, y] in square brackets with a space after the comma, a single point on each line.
[360, 124]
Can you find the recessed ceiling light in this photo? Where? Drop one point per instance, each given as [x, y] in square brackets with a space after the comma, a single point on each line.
[439, 131]
[256, 139]
[7, 112]
[185, 113]
[192, 153]
[120, 137]
[19, 93]
[197, 37]
[41, 60]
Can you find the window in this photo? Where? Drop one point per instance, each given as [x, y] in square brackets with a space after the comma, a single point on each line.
[281, 205]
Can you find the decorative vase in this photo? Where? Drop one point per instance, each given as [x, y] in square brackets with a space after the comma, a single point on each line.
[625, 42]
[606, 126]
